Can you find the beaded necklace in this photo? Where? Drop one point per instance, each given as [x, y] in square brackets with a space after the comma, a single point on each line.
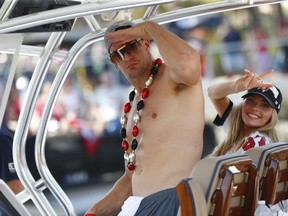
[130, 157]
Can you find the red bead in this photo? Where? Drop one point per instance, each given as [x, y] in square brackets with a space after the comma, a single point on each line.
[131, 166]
[127, 107]
[158, 61]
[125, 145]
[145, 93]
[135, 131]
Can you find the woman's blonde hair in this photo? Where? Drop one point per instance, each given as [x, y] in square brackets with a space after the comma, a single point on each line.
[234, 140]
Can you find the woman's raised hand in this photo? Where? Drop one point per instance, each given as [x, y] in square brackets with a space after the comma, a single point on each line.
[251, 80]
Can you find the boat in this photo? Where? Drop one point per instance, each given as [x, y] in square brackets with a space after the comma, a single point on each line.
[38, 30]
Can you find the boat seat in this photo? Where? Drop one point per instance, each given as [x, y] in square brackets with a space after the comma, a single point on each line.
[272, 164]
[191, 198]
[228, 183]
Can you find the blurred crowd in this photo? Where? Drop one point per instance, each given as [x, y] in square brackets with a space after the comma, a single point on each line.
[93, 94]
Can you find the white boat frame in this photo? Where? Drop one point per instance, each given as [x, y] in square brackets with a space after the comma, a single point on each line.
[87, 10]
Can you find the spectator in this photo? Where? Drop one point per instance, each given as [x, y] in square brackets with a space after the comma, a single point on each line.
[109, 98]
[261, 53]
[8, 172]
[232, 56]
[281, 59]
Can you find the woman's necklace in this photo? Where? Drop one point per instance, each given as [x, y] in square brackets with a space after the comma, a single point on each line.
[130, 157]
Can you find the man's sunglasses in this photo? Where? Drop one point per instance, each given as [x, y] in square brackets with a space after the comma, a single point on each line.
[119, 54]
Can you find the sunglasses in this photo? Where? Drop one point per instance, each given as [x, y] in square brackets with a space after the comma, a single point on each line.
[119, 54]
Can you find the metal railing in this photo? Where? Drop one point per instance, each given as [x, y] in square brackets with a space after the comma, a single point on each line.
[87, 10]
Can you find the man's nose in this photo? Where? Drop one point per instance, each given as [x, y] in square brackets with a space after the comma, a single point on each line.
[127, 56]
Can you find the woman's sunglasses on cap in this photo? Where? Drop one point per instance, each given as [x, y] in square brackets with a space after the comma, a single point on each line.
[119, 54]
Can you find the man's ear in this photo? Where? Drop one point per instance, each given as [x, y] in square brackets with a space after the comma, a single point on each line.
[147, 44]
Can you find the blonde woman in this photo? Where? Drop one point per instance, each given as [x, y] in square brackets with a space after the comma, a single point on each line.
[252, 122]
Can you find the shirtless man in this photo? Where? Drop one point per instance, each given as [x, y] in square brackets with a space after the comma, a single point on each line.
[168, 139]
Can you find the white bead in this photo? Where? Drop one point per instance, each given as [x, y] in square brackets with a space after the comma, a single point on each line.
[123, 120]
[132, 156]
[149, 81]
[126, 156]
[136, 118]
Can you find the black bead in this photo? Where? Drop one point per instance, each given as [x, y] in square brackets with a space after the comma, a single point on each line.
[134, 144]
[140, 105]
[123, 132]
[154, 70]
[132, 95]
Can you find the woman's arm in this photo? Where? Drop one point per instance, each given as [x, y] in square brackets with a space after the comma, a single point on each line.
[218, 93]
